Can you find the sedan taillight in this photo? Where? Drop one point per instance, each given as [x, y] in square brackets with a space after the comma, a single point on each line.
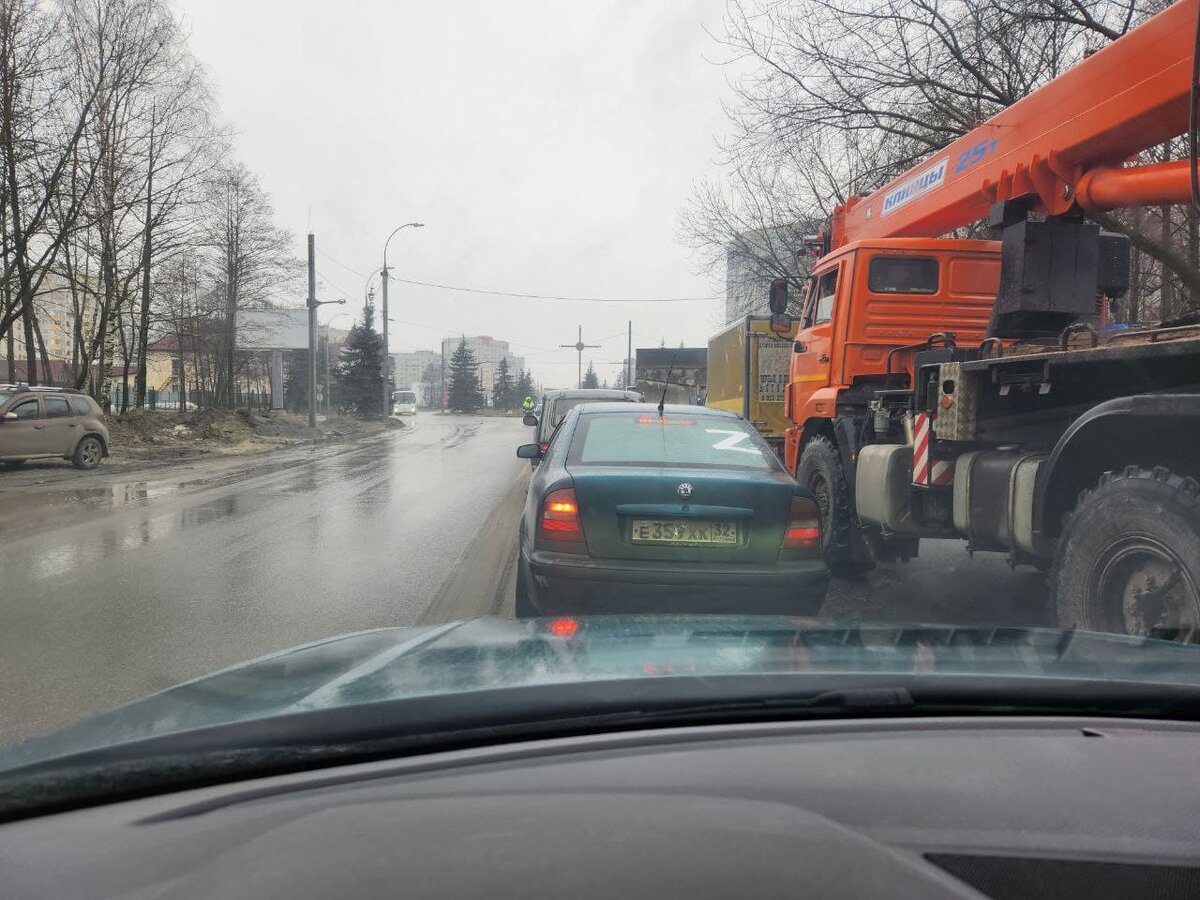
[804, 526]
[560, 518]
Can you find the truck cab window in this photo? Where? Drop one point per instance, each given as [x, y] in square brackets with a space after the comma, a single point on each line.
[810, 299]
[822, 308]
[902, 275]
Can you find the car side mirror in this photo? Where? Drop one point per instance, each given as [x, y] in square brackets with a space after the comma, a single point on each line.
[529, 419]
[8, 416]
[777, 300]
[781, 323]
[529, 451]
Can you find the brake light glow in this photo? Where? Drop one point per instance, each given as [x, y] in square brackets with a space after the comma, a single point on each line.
[652, 420]
[560, 517]
[563, 627]
[804, 526]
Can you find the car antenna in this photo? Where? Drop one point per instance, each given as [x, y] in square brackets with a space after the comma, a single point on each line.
[666, 383]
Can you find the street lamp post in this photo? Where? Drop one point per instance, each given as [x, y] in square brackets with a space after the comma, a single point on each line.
[387, 392]
[312, 304]
[328, 395]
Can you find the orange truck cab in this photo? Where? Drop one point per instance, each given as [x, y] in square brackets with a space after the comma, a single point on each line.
[865, 302]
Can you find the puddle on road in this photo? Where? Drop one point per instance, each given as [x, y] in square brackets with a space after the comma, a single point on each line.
[35, 508]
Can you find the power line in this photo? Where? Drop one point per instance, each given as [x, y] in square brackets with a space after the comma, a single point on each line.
[520, 294]
[523, 296]
[338, 262]
[329, 281]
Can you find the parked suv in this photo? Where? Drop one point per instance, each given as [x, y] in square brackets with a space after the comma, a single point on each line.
[38, 422]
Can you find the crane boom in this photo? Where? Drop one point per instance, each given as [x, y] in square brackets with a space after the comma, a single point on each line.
[1062, 147]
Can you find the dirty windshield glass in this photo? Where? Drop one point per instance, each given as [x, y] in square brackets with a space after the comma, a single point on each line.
[293, 297]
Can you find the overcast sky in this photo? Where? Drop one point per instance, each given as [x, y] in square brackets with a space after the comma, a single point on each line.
[548, 146]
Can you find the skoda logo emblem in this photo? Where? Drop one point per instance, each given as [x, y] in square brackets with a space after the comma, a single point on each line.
[685, 491]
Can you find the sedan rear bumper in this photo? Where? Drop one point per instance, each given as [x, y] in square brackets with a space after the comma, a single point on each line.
[571, 584]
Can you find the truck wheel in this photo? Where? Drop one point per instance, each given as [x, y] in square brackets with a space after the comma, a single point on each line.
[1129, 558]
[820, 470]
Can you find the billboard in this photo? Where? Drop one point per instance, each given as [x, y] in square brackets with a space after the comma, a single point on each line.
[272, 329]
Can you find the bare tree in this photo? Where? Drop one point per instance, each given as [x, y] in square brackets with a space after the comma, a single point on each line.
[182, 149]
[842, 96]
[47, 101]
[250, 261]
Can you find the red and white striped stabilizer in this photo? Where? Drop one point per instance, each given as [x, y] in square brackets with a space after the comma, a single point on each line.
[927, 472]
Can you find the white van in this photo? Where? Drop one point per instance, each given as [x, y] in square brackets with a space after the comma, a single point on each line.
[404, 403]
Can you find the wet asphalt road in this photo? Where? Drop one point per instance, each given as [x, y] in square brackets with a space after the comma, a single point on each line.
[165, 581]
[118, 588]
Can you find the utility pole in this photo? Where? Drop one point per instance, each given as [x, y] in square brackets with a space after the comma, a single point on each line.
[387, 359]
[579, 346]
[312, 331]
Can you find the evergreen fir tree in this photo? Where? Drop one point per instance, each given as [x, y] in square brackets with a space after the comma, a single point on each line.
[358, 376]
[504, 387]
[590, 378]
[465, 392]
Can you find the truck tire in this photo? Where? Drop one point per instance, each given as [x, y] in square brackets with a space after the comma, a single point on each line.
[1129, 557]
[820, 470]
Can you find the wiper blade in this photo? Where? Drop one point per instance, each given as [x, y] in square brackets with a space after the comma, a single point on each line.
[880, 699]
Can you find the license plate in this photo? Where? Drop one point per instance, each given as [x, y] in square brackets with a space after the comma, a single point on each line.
[683, 531]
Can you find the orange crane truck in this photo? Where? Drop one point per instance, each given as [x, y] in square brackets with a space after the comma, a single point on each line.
[946, 388]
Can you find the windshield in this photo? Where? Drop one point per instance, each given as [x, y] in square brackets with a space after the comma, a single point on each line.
[588, 324]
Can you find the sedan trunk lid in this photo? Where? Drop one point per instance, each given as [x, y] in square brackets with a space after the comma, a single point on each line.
[683, 514]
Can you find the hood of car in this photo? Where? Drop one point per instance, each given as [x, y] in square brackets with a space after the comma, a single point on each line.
[491, 654]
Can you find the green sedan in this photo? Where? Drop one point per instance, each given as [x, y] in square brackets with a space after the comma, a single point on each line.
[646, 509]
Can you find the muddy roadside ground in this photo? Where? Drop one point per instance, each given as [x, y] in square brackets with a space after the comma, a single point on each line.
[155, 442]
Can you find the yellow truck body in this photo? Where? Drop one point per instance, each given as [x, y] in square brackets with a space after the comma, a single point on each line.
[748, 368]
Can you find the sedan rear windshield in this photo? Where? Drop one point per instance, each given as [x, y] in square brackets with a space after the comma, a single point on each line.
[644, 439]
[566, 404]
[563, 405]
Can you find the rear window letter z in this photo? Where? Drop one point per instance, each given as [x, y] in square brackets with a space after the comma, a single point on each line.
[731, 443]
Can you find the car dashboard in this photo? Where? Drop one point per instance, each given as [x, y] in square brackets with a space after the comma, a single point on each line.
[896, 807]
